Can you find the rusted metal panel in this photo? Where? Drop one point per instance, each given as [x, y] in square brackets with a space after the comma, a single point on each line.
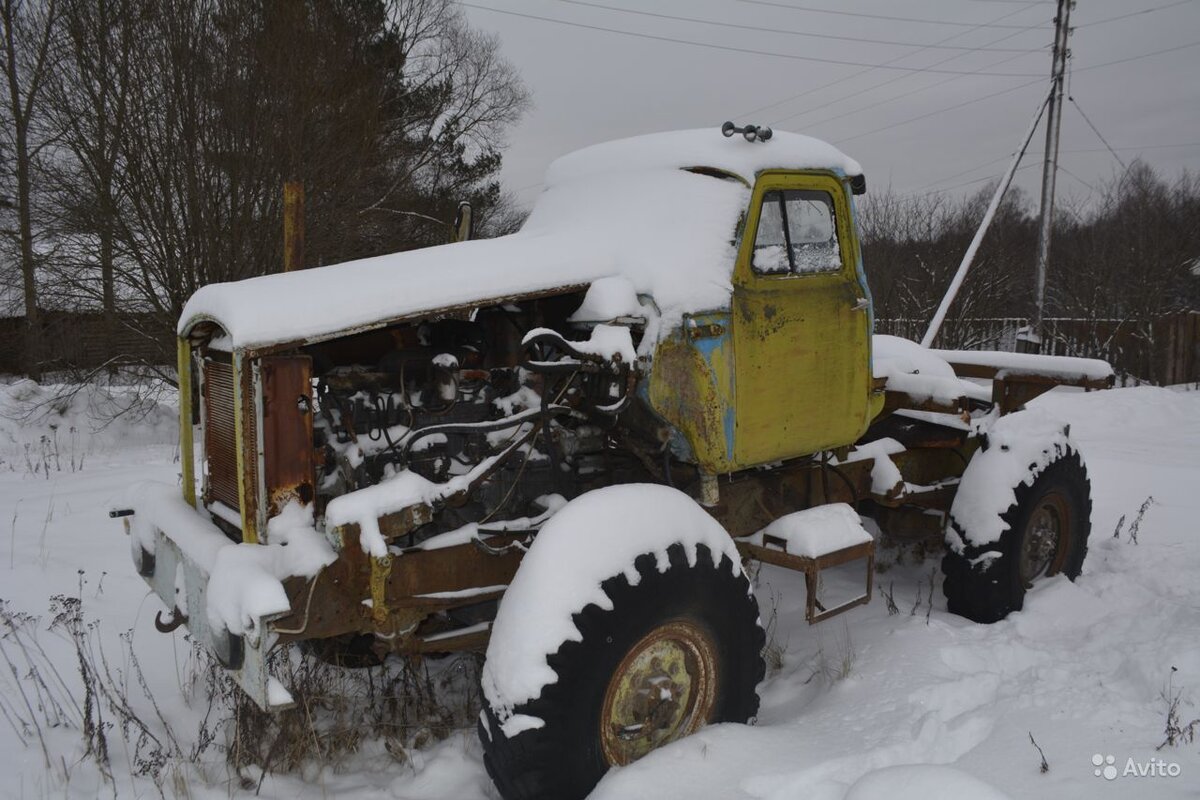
[287, 430]
[220, 433]
[450, 569]
[691, 387]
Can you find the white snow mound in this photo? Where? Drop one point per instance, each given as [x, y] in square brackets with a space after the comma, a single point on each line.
[593, 538]
[922, 782]
[817, 531]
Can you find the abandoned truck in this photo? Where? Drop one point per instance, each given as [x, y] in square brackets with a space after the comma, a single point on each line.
[563, 445]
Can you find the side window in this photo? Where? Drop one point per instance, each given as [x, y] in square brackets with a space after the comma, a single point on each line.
[797, 234]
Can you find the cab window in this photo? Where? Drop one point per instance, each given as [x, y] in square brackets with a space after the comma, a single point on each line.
[797, 234]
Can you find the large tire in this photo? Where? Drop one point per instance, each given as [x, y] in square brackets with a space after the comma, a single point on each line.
[702, 617]
[1047, 534]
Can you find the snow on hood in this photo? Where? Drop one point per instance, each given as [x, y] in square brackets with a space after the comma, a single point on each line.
[627, 208]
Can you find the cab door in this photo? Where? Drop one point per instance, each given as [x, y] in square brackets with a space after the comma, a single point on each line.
[801, 322]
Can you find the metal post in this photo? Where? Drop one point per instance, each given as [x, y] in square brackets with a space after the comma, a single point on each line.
[1030, 339]
[293, 225]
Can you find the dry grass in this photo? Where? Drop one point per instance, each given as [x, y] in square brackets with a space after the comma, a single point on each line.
[106, 699]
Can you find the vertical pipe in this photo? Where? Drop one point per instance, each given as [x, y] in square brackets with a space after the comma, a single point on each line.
[293, 225]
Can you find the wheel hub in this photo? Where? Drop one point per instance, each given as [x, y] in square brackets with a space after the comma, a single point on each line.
[1046, 535]
[663, 689]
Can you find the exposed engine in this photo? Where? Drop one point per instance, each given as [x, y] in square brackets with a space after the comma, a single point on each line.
[519, 417]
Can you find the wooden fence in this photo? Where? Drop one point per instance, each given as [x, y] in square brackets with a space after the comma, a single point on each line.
[79, 340]
[1164, 351]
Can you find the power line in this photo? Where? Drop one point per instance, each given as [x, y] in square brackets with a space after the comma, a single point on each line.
[890, 99]
[1096, 131]
[1133, 14]
[1143, 55]
[1130, 148]
[790, 32]
[976, 180]
[731, 49]
[1061, 168]
[942, 110]
[891, 61]
[875, 16]
[1015, 88]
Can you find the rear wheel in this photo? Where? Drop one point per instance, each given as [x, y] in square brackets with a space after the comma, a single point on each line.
[1047, 531]
[677, 650]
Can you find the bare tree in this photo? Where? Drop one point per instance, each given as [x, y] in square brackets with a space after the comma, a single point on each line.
[28, 29]
[89, 91]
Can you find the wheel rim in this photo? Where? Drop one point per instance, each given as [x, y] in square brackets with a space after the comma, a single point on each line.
[663, 689]
[1046, 539]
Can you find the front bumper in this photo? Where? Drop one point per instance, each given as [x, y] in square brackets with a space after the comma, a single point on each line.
[174, 548]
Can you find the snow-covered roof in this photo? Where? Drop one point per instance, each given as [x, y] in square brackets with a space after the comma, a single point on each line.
[702, 147]
[627, 208]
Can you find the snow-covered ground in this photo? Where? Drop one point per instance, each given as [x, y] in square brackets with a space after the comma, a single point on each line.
[869, 705]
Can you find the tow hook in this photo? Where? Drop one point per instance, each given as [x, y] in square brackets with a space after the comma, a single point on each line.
[177, 618]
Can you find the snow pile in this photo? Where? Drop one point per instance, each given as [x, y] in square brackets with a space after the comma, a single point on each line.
[885, 475]
[923, 374]
[921, 782]
[817, 531]
[608, 299]
[593, 538]
[66, 425]
[1019, 447]
[245, 581]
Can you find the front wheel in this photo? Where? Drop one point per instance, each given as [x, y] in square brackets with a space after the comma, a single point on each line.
[1045, 533]
[677, 649]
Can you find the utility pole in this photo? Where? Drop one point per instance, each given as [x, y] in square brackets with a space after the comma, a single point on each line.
[1029, 340]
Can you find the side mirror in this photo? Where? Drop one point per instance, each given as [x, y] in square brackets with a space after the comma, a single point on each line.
[858, 184]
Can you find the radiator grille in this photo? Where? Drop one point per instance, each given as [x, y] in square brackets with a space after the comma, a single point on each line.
[220, 440]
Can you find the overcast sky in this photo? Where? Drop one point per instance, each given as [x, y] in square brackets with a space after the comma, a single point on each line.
[591, 85]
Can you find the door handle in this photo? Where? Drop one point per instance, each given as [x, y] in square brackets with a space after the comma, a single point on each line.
[862, 304]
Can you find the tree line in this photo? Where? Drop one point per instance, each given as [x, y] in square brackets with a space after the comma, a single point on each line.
[1122, 256]
[144, 143]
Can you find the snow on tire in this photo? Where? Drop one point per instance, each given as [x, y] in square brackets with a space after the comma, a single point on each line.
[1023, 512]
[630, 624]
